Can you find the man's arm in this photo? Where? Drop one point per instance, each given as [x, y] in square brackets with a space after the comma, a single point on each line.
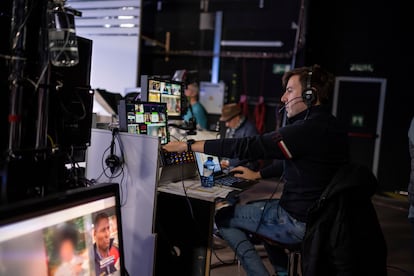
[180, 146]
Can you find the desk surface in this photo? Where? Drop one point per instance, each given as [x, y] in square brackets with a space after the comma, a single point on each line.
[192, 188]
[262, 190]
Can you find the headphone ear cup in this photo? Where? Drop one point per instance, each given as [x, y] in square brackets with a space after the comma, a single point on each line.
[113, 162]
[309, 96]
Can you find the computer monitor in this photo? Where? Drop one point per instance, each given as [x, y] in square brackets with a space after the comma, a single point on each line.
[148, 118]
[171, 92]
[64, 231]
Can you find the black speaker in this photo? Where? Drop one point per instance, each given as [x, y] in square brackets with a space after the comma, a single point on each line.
[71, 101]
[309, 93]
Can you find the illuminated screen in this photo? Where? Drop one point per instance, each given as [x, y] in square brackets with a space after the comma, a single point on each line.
[169, 92]
[148, 118]
[55, 236]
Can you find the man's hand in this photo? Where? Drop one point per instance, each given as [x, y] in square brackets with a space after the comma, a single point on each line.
[225, 164]
[246, 173]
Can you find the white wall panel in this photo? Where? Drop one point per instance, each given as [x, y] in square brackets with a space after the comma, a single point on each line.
[115, 48]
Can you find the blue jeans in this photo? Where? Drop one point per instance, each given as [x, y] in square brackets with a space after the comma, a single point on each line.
[265, 218]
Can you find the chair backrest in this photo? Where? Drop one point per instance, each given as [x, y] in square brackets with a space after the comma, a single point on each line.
[342, 225]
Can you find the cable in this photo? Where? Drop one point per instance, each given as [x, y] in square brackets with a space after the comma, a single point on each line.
[288, 102]
[68, 24]
[267, 202]
[236, 248]
[19, 29]
[74, 116]
[121, 148]
[190, 206]
[222, 261]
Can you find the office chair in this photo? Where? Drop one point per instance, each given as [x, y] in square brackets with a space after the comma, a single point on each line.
[293, 252]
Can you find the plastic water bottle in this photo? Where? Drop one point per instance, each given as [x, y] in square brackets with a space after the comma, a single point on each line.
[63, 45]
[208, 172]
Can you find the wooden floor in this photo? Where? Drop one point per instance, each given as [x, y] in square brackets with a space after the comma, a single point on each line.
[392, 212]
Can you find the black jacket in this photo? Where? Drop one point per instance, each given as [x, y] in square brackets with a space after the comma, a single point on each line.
[312, 150]
[343, 234]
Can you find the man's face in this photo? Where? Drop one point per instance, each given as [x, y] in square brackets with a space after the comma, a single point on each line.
[102, 234]
[233, 122]
[292, 98]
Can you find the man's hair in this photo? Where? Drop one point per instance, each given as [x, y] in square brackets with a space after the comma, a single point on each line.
[99, 217]
[321, 80]
[195, 84]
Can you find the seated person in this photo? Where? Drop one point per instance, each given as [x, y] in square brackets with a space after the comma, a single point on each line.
[238, 126]
[196, 110]
[313, 146]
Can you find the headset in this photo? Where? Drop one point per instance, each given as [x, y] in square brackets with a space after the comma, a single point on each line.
[309, 93]
[112, 160]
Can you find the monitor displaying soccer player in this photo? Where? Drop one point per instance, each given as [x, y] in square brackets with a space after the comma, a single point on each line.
[73, 233]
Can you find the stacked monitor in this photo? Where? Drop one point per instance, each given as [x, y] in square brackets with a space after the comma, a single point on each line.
[79, 230]
[147, 118]
[170, 92]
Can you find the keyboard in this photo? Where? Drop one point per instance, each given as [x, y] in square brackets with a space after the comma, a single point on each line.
[234, 182]
[175, 158]
[228, 180]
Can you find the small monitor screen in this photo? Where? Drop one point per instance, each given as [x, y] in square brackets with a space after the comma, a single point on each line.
[78, 231]
[169, 92]
[148, 118]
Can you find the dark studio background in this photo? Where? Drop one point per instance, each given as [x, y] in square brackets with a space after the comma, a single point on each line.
[334, 35]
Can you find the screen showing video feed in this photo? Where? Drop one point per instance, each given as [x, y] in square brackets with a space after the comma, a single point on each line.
[148, 118]
[79, 240]
[168, 92]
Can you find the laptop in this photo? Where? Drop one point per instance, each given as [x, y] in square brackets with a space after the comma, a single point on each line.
[220, 177]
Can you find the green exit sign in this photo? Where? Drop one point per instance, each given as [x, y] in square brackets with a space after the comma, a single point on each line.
[357, 120]
[280, 68]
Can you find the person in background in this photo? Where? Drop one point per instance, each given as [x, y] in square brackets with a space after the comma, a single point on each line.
[196, 110]
[411, 183]
[238, 126]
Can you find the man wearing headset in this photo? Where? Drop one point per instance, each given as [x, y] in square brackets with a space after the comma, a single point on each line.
[313, 146]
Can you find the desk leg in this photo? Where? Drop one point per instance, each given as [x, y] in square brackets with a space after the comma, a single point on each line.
[184, 235]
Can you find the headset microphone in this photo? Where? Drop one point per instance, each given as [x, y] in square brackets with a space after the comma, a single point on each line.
[288, 102]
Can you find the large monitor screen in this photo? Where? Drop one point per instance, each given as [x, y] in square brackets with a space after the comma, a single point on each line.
[148, 118]
[170, 92]
[75, 233]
